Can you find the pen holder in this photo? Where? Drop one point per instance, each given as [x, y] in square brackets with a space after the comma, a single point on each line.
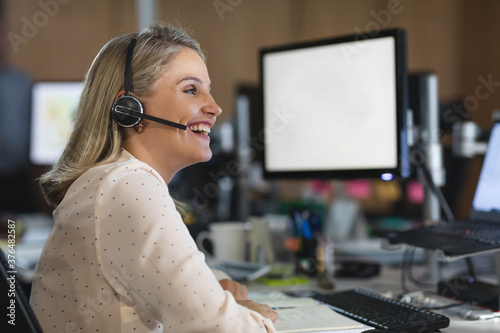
[306, 261]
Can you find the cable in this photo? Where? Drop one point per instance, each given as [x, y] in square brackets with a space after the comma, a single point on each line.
[407, 271]
[406, 261]
[471, 267]
[444, 306]
[446, 209]
[437, 191]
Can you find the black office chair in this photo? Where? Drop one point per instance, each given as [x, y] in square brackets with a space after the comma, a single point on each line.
[25, 320]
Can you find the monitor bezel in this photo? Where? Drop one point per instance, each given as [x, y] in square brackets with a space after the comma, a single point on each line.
[402, 169]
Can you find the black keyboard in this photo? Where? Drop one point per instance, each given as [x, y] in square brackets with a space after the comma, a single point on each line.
[481, 233]
[453, 238]
[384, 313]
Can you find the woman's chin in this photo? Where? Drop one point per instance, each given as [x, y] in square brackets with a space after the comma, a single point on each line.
[205, 157]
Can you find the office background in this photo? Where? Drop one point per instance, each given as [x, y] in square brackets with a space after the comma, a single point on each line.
[457, 39]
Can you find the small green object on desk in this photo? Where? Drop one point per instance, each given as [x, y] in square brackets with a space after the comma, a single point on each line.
[283, 281]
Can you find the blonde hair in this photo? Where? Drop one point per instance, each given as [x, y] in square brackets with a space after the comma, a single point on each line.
[96, 138]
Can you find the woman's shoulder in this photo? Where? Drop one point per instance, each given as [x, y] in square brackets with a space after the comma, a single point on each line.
[124, 170]
[126, 163]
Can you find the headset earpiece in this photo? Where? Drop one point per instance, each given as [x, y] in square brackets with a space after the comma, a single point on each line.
[122, 109]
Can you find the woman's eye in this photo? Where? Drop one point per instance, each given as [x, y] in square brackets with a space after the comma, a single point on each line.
[191, 91]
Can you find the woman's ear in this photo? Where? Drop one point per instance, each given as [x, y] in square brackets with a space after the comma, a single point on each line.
[120, 94]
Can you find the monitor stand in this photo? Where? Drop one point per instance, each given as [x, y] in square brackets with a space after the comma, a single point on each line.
[431, 168]
[497, 265]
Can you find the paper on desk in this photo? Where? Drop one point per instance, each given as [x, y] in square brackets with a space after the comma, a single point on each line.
[313, 318]
[278, 299]
[305, 314]
[354, 330]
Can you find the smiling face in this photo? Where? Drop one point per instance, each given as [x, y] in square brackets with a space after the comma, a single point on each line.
[182, 95]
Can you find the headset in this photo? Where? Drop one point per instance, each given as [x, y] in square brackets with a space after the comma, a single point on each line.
[128, 111]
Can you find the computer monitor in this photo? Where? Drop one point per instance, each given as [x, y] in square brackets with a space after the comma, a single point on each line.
[336, 108]
[54, 106]
[486, 203]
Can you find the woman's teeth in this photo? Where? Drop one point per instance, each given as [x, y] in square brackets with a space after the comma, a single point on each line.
[200, 129]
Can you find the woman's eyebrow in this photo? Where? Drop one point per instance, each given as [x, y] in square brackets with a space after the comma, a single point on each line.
[194, 78]
[188, 78]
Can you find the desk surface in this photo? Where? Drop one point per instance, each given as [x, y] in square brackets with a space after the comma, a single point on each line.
[389, 283]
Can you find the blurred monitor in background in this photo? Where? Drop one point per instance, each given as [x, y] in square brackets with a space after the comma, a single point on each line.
[54, 106]
[15, 92]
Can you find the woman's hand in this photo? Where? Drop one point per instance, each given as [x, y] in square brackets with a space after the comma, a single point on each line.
[238, 290]
[263, 309]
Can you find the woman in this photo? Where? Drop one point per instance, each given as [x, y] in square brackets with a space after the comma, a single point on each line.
[119, 258]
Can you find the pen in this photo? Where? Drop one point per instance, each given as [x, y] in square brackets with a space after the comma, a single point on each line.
[298, 224]
[282, 307]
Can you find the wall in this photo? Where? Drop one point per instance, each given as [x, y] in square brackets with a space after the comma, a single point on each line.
[64, 47]
[454, 38]
[481, 53]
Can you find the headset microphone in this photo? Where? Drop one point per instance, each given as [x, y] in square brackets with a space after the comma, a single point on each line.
[128, 111]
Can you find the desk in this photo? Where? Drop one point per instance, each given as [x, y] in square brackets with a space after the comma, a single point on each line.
[388, 282]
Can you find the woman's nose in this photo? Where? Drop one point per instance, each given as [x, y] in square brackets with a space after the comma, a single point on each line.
[212, 107]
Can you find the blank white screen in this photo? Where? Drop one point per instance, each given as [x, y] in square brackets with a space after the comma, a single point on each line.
[331, 107]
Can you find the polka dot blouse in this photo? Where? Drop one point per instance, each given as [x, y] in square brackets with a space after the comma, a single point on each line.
[120, 259]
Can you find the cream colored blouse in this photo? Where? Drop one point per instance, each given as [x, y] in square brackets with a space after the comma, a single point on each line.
[120, 259]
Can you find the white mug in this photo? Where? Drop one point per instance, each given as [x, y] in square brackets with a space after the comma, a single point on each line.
[229, 241]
